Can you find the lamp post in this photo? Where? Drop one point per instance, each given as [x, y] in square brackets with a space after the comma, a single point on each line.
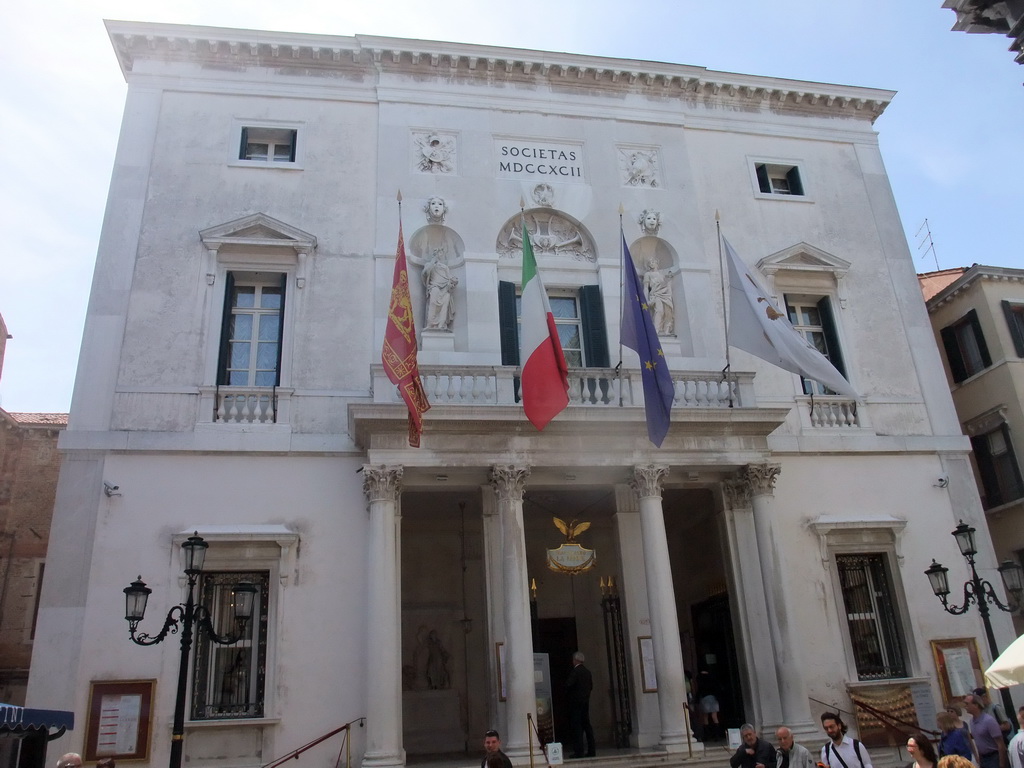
[187, 614]
[978, 590]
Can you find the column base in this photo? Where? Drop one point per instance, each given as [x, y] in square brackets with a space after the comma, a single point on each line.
[384, 759]
[676, 743]
[521, 755]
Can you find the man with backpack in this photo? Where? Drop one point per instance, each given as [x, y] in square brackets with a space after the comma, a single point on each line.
[841, 751]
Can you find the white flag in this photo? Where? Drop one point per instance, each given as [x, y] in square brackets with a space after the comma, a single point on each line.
[758, 327]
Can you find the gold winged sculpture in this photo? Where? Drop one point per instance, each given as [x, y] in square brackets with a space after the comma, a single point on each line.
[571, 557]
[570, 530]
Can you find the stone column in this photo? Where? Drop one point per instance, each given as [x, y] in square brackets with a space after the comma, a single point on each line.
[495, 596]
[382, 486]
[764, 705]
[668, 653]
[796, 709]
[520, 691]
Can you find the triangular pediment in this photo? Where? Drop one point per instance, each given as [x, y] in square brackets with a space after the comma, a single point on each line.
[803, 257]
[258, 230]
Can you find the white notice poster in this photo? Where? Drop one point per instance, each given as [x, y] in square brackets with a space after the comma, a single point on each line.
[960, 670]
[119, 724]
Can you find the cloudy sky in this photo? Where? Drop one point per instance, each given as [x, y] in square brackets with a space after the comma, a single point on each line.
[951, 138]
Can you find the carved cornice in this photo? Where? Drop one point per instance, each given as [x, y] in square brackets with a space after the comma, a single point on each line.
[382, 483]
[976, 273]
[647, 480]
[134, 41]
[761, 478]
[736, 491]
[509, 481]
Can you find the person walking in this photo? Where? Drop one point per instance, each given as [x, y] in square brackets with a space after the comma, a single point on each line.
[578, 687]
[988, 737]
[789, 754]
[842, 751]
[493, 753]
[919, 748]
[753, 752]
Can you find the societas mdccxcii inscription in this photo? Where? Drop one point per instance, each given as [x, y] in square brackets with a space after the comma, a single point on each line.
[555, 161]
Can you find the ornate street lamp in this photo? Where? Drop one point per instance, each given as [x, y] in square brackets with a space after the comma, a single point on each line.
[187, 614]
[978, 590]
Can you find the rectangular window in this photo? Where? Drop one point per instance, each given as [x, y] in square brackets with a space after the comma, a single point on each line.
[229, 681]
[871, 618]
[775, 179]
[579, 318]
[965, 347]
[1015, 320]
[997, 466]
[268, 145]
[812, 317]
[252, 330]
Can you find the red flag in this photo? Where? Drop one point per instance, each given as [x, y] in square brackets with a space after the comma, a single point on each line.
[399, 352]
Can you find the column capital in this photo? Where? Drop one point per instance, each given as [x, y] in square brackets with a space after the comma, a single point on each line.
[737, 492]
[382, 483]
[761, 478]
[647, 480]
[509, 481]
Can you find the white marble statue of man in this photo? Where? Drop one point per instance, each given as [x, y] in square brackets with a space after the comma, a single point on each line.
[440, 284]
[658, 287]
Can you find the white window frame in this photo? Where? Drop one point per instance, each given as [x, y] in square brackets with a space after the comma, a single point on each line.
[881, 535]
[272, 548]
[778, 164]
[267, 127]
[255, 243]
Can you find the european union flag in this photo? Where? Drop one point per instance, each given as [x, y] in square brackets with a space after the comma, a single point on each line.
[638, 333]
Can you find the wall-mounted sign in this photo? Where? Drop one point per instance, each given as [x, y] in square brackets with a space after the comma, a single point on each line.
[571, 557]
[551, 161]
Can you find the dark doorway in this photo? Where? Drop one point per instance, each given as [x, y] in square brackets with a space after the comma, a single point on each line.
[716, 652]
[557, 638]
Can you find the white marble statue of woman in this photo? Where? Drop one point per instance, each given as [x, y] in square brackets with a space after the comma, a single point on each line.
[440, 284]
[658, 287]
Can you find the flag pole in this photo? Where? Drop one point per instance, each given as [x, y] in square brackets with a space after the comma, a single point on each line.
[622, 299]
[725, 316]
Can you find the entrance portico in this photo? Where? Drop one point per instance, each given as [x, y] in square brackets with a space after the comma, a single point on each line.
[471, 451]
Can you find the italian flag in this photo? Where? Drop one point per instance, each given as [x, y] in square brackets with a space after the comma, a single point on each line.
[545, 374]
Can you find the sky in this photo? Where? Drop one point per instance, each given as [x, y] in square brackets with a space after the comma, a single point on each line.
[951, 138]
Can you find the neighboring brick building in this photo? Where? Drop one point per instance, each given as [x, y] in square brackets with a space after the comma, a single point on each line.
[29, 464]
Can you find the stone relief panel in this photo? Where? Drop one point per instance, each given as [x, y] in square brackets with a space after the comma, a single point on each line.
[640, 166]
[551, 234]
[434, 152]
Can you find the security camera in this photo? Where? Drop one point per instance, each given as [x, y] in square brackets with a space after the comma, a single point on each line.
[942, 482]
[110, 490]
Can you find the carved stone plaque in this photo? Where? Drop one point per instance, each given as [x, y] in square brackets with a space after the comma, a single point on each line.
[551, 234]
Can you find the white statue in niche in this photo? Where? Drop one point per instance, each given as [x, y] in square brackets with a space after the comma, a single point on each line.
[440, 284]
[658, 287]
[436, 153]
[650, 221]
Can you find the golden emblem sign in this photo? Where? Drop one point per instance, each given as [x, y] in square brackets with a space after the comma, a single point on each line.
[571, 557]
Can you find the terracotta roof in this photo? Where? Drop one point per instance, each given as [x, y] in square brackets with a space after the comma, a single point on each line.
[933, 282]
[40, 419]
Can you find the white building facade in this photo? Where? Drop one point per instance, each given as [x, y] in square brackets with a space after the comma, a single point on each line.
[230, 383]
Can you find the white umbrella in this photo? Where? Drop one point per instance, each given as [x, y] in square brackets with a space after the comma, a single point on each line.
[1008, 669]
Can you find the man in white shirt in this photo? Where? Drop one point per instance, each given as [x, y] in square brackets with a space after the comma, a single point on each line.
[1016, 748]
[841, 751]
